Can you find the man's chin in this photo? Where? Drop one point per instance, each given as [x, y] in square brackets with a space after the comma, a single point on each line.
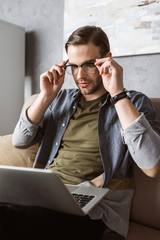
[85, 91]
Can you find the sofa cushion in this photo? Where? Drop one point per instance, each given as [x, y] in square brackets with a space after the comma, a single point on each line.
[146, 201]
[10, 155]
[141, 232]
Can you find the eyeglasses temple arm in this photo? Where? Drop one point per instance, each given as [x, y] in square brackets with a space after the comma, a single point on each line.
[66, 63]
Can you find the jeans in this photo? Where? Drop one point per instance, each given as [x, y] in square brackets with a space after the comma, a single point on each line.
[25, 222]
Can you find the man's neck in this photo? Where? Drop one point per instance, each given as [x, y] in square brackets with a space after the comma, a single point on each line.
[93, 96]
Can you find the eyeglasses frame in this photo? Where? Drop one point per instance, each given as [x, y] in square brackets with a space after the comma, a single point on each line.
[78, 66]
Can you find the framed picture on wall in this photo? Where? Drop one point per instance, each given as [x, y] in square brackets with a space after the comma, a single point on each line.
[133, 27]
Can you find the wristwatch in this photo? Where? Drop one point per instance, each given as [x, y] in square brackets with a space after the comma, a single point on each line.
[116, 98]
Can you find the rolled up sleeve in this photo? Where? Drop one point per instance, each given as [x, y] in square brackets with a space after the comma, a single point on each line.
[25, 131]
[143, 143]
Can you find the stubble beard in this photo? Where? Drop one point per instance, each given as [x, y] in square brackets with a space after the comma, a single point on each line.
[88, 91]
[93, 86]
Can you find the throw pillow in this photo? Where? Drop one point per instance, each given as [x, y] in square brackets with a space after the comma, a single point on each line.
[10, 155]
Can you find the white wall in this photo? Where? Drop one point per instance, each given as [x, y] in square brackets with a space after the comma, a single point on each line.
[142, 73]
[12, 68]
[43, 21]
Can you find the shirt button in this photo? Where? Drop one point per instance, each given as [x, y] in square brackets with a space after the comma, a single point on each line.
[56, 143]
[74, 107]
[63, 125]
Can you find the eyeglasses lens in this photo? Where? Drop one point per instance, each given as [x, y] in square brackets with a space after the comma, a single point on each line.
[87, 68]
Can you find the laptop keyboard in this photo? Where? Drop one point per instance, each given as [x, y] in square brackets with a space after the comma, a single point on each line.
[82, 199]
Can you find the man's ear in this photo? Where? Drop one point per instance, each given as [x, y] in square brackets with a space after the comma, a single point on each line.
[109, 54]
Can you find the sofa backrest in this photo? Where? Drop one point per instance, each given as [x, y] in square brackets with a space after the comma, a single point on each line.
[146, 201]
[156, 104]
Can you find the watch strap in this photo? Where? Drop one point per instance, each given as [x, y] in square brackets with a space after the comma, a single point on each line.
[116, 98]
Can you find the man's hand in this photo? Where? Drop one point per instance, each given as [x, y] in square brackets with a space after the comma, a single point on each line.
[50, 84]
[52, 81]
[113, 82]
[97, 182]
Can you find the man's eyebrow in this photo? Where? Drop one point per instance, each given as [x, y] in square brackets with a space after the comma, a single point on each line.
[90, 60]
[87, 61]
[71, 63]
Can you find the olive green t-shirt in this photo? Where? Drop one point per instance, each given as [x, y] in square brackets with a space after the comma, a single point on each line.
[79, 158]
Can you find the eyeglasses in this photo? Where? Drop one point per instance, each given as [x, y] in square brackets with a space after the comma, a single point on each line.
[88, 68]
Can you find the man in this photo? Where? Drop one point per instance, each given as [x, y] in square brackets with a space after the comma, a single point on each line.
[89, 134]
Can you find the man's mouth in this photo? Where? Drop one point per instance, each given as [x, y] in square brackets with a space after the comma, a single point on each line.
[83, 84]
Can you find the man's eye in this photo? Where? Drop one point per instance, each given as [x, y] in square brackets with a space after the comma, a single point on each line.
[74, 66]
[89, 65]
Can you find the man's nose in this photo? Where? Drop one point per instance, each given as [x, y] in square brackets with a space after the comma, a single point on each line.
[80, 73]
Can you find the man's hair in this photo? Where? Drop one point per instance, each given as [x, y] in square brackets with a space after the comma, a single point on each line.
[86, 34]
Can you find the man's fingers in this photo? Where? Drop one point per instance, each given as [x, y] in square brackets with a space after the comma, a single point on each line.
[55, 77]
[47, 76]
[50, 76]
[59, 68]
[100, 61]
[104, 64]
[54, 73]
[62, 64]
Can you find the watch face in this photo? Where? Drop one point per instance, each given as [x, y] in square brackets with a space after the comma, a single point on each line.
[128, 94]
[115, 98]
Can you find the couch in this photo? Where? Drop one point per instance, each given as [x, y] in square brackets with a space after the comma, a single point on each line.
[145, 209]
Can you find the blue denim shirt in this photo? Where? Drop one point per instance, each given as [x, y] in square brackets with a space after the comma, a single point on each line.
[116, 159]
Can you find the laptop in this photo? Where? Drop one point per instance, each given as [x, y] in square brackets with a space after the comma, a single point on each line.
[44, 188]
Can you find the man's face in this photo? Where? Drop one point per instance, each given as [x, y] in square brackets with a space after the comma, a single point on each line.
[90, 84]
